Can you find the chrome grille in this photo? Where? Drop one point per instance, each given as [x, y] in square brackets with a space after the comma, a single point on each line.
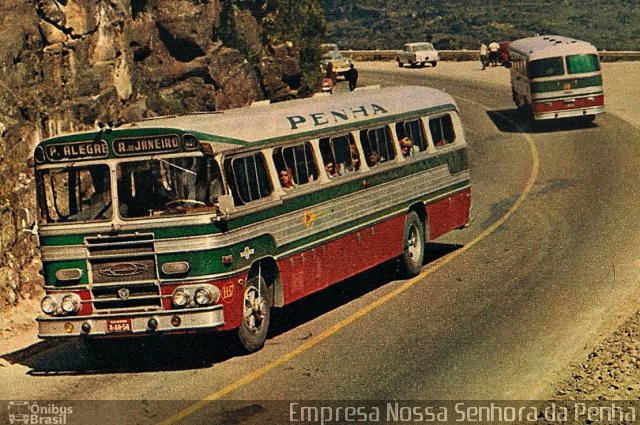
[123, 272]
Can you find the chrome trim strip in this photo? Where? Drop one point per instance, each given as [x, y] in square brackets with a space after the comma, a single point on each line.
[561, 93]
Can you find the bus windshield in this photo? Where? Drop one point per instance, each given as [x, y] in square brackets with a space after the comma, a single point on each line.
[168, 186]
[160, 186]
[71, 194]
[547, 67]
[578, 64]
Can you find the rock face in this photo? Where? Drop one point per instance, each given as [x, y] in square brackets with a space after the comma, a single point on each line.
[70, 64]
[125, 59]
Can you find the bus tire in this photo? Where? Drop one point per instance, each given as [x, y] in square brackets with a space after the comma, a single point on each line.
[256, 313]
[413, 246]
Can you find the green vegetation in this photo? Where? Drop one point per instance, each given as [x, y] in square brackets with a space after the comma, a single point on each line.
[450, 24]
[300, 22]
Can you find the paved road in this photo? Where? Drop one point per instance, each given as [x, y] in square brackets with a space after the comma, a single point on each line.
[501, 321]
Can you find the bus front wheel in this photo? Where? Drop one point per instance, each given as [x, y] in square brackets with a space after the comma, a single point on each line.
[412, 246]
[256, 312]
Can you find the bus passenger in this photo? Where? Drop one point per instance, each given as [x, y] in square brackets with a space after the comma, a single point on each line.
[407, 147]
[330, 169]
[373, 159]
[286, 179]
[355, 157]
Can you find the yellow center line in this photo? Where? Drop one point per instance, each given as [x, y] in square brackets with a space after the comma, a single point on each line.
[431, 268]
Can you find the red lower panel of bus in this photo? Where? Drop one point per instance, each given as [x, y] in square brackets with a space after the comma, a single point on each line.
[568, 104]
[319, 267]
[449, 213]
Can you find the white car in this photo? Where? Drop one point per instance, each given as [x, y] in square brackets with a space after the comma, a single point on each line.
[420, 53]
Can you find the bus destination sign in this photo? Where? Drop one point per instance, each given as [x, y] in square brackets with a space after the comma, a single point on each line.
[77, 150]
[146, 145]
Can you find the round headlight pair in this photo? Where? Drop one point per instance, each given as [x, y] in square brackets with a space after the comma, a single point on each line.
[65, 304]
[201, 296]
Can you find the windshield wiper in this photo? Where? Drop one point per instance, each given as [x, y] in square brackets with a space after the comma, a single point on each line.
[171, 164]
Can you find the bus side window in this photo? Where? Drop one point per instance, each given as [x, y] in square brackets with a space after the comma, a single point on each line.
[414, 131]
[248, 178]
[300, 160]
[377, 144]
[341, 153]
[442, 131]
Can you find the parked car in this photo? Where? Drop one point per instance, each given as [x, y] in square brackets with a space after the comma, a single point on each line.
[420, 53]
[331, 54]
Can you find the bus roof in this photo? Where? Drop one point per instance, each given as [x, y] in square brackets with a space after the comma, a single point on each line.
[545, 46]
[259, 125]
[307, 117]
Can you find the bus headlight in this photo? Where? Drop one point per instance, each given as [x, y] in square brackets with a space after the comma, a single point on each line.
[203, 296]
[207, 295]
[49, 305]
[180, 298]
[70, 303]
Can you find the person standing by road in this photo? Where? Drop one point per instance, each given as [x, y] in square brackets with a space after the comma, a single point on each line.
[352, 77]
[331, 74]
[483, 55]
[493, 53]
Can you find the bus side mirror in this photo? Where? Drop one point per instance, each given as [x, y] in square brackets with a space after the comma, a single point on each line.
[225, 207]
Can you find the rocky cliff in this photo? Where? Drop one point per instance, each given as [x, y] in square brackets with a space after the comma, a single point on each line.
[71, 64]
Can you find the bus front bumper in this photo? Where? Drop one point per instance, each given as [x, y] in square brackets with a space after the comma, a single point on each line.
[130, 324]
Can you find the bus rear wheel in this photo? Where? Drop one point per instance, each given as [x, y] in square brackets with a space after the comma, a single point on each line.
[256, 313]
[410, 261]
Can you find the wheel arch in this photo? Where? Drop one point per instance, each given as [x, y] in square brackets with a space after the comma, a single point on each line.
[267, 267]
[421, 209]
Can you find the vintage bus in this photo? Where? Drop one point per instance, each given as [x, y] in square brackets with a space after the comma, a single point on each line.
[556, 77]
[204, 222]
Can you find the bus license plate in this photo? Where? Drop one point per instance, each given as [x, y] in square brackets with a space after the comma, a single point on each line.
[118, 325]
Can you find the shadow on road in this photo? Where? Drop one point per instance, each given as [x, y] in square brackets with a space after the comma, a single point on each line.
[513, 121]
[164, 353]
[341, 293]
